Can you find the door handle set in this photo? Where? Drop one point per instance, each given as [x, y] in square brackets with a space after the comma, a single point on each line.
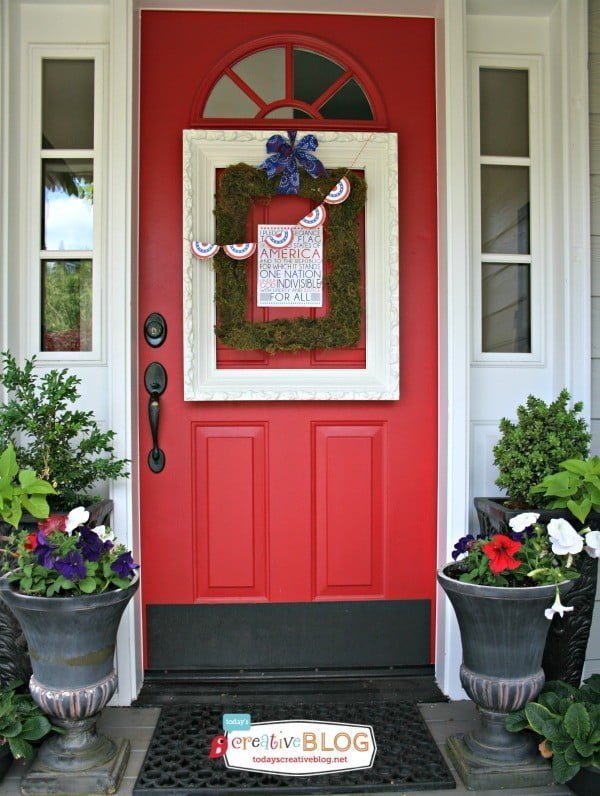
[155, 381]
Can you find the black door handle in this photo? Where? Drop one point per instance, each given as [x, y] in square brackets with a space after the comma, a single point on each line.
[155, 381]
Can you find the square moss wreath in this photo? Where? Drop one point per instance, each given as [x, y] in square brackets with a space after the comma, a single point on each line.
[239, 187]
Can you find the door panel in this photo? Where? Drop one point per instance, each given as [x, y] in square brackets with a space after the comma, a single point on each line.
[305, 504]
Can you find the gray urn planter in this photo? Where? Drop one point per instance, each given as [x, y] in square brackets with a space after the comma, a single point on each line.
[14, 657]
[566, 645]
[503, 631]
[72, 643]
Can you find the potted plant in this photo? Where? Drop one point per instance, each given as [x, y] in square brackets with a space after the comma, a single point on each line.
[21, 722]
[568, 721]
[68, 591]
[20, 490]
[529, 449]
[504, 591]
[62, 444]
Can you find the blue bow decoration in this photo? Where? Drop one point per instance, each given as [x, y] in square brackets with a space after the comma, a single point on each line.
[288, 156]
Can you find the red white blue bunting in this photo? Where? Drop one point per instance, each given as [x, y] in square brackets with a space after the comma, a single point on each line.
[242, 251]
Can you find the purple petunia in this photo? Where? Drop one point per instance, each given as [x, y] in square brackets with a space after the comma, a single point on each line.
[463, 546]
[72, 566]
[91, 545]
[124, 565]
[43, 551]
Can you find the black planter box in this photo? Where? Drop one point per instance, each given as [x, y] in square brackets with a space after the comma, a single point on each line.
[564, 655]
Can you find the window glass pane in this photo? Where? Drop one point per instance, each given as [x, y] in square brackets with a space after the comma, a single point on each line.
[348, 103]
[67, 104]
[264, 72]
[505, 297]
[229, 101]
[504, 112]
[287, 113]
[66, 305]
[67, 217]
[313, 73]
[505, 209]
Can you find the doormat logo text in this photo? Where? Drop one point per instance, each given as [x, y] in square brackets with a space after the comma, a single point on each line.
[297, 748]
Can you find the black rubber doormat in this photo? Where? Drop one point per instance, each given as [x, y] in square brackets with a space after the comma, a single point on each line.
[178, 762]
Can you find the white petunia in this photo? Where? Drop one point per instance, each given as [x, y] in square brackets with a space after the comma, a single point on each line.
[76, 517]
[592, 546]
[521, 522]
[557, 608]
[565, 539]
[106, 534]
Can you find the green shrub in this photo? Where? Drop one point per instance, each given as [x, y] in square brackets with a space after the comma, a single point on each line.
[63, 445]
[543, 436]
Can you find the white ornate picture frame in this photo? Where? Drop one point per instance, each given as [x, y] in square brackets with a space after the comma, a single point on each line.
[206, 151]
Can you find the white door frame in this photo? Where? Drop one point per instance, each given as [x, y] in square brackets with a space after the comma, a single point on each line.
[453, 208]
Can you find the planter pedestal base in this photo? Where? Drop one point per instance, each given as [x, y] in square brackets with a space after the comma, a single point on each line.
[102, 779]
[477, 774]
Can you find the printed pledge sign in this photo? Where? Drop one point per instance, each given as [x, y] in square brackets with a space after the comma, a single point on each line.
[290, 266]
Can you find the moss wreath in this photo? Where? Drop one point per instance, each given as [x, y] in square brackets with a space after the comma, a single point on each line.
[239, 187]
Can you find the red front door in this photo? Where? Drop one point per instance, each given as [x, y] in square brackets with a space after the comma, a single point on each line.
[313, 514]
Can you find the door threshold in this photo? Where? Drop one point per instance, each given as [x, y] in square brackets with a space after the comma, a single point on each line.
[407, 684]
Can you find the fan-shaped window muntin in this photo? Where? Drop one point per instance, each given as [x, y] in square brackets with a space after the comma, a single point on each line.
[288, 82]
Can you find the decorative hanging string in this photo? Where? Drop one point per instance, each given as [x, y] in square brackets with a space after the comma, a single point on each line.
[285, 161]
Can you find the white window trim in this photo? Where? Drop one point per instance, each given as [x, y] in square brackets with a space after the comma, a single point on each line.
[538, 269]
[33, 310]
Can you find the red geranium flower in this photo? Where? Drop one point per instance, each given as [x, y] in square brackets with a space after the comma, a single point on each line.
[500, 551]
[31, 542]
[55, 522]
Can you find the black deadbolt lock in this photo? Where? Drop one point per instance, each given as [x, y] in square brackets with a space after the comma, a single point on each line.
[155, 329]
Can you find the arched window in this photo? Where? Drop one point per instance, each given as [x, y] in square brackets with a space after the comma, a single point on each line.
[277, 78]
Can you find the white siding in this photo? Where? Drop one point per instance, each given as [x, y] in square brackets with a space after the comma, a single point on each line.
[592, 663]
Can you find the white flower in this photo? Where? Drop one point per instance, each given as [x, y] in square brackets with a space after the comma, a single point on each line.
[106, 534]
[521, 522]
[76, 517]
[565, 539]
[557, 608]
[592, 547]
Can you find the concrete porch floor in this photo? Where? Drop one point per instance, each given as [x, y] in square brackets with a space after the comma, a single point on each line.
[137, 724]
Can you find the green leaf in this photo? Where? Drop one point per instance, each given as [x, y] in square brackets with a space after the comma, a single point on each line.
[8, 462]
[561, 770]
[541, 720]
[11, 729]
[550, 700]
[577, 721]
[20, 748]
[580, 509]
[87, 585]
[40, 487]
[36, 727]
[572, 757]
[584, 748]
[575, 466]
[37, 505]
[26, 478]
[515, 722]
[593, 682]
